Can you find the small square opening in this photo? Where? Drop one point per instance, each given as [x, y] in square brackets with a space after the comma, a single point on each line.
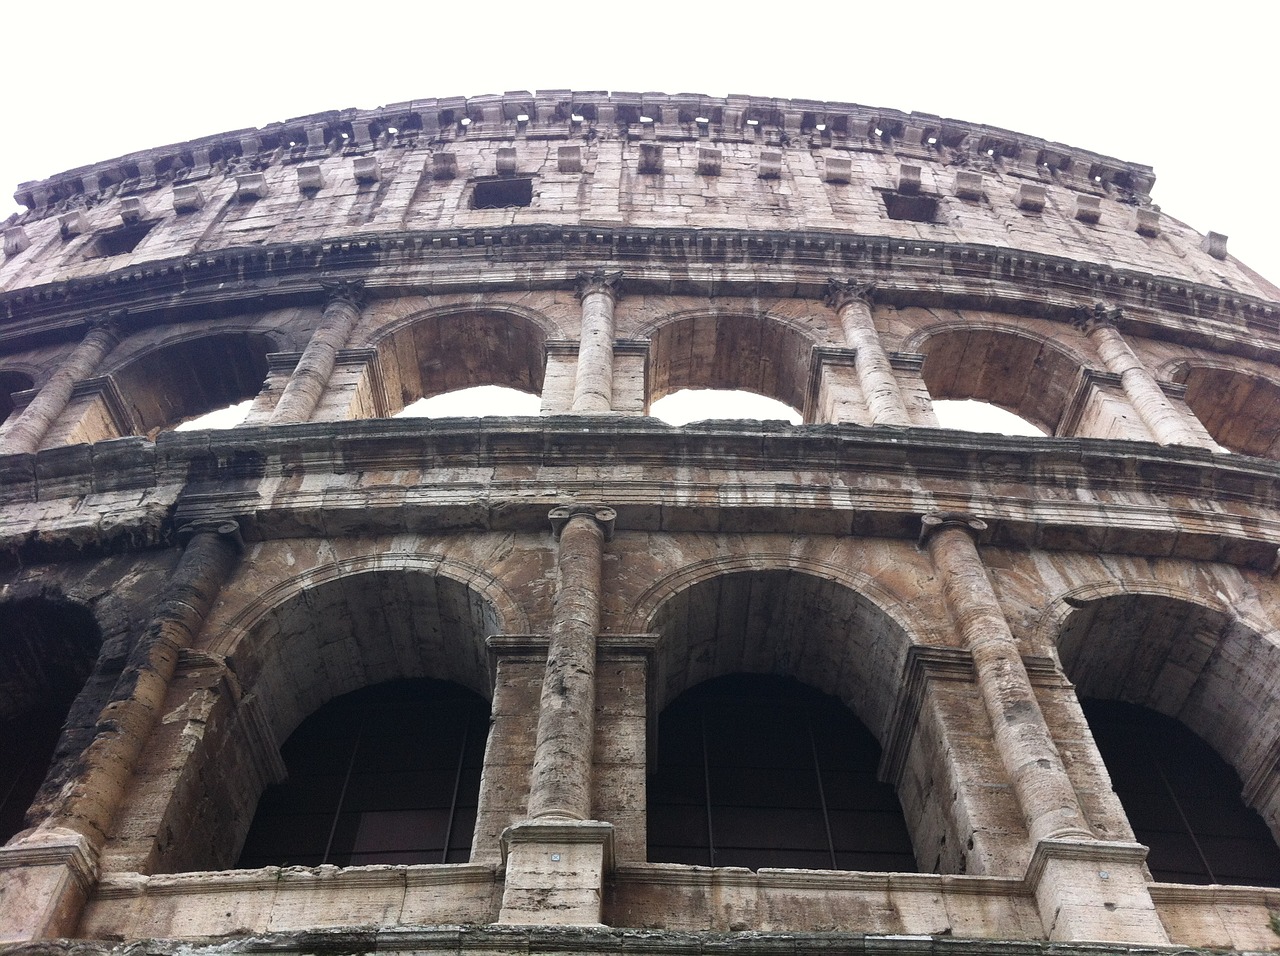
[118, 241]
[501, 193]
[915, 208]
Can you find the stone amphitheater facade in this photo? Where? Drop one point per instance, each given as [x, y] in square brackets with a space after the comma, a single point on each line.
[176, 606]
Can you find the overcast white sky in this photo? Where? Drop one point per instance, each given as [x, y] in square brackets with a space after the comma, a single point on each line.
[1190, 93]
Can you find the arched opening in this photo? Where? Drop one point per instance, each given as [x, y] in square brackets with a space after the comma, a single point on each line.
[1202, 675]
[763, 771]
[1030, 377]
[750, 353]
[436, 354]
[1240, 411]
[11, 382]
[227, 417]
[187, 379]
[47, 650]
[479, 401]
[796, 644]
[703, 404]
[973, 416]
[1182, 799]
[387, 774]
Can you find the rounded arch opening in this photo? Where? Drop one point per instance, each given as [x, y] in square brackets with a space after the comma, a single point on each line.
[478, 401]
[974, 416]
[1192, 664]
[764, 771]
[47, 651]
[11, 382]
[388, 774]
[1240, 411]
[186, 379]
[752, 353]
[433, 354]
[1023, 374]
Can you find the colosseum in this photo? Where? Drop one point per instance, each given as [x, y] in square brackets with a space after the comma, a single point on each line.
[338, 680]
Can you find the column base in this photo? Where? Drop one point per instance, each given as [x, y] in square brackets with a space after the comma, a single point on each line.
[45, 879]
[1094, 891]
[555, 872]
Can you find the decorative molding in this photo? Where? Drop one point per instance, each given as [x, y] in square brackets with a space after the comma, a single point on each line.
[602, 515]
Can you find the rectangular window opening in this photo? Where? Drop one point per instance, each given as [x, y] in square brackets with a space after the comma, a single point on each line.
[913, 208]
[118, 241]
[501, 193]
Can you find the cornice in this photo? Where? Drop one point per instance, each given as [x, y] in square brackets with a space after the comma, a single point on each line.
[1067, 494]
[682, 261]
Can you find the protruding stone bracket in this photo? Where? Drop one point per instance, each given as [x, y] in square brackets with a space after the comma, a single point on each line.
[225, 527]
[600, 281]
[1215, 243]
[602, 515]
[555, 872]
[932, 523]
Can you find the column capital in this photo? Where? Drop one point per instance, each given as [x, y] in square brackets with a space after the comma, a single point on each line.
[223, 527]
[601, 514]
[937, 520]
[350, 291]
[108, 324]
[841, 292]
[1087, 318]
[599, 280]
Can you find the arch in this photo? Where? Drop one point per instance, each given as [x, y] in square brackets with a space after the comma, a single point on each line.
[1022, 372]
[751, 618]
[759, 770]
[1187, 657]
[754, 352]
[1239, 409]
[47, 650]
[443, 350]
[192, 373]
[388, 774]
[12, 381]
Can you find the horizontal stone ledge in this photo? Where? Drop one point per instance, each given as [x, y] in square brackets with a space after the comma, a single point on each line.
[711, 262]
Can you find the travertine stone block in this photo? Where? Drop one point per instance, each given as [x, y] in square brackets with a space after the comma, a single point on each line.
[1147, 222]
[770, 164]
[72, 224]
[569, 159]
[366, 170]
[132, 210]
[310, 178]
[1088, 208]
[15, 240]
[709, 159]
[968, 184]
[1215, 243]
[444, 165]
[250, 187]
[651, 158]
[837, 169]
[187, 199]
[555, 872]
[1030, 197]
[506, 162]
[908, 178]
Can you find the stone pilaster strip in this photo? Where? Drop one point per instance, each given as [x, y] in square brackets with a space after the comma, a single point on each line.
[560, 786]
[37, 418]
[880, 389]
[307, 383]
[593, 387]
[1027, 750]
[1166, 424]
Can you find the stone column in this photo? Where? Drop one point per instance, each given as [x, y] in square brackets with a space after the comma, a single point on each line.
[875, 373]
[34, 422]
[1166, 424]
[1085, 889]
[1022, 737]
[307, 383]
[557, 859]
[593, 388]
[58, 859]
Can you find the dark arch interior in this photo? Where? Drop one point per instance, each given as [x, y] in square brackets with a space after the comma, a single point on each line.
[11, 382]
[387, 774]
[186, 379]
[47, 649]
[747, 352]
[762, 771]
[439, 354]
[1182, 799]
[1018, 373]
[1241, 412]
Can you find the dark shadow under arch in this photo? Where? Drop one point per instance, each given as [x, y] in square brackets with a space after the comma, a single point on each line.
[187, 378]
[763, 771]
[11, 382]
[1241, 411]
[1024, 374]
[444, 352]
[47, 651]
[389, 774]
